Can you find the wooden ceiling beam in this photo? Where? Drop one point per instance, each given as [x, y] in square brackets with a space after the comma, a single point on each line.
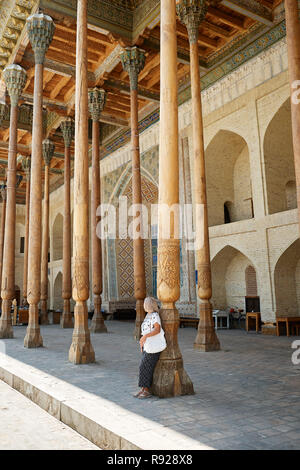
[254, 10]
[226, 18]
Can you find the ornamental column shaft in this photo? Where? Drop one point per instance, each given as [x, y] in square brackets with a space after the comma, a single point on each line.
[15, 79]
[133, 60]
[40, 31]
[293, 47]
[2, 228]
[48, 151]
[97, 100]
[26, 168]
[169, 378]
[67, 128]
[191, 13]
[81, 350]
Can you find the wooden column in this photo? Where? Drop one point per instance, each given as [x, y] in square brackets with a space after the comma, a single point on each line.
[81, 350]
[67, 128]
[26, 167]
[192, 14]
[48, 151]
[133, 61]
[40, 30]
[15, 79]
[97, 98]
[293, 48]
[169, 378]
[2, 228]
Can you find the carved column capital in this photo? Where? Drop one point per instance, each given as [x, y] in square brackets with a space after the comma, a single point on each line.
[97, 100]
[26, 163]
[67, 129]
[15, 79]
[2, 112]
[133, 61]
[48, 151]
[192, 13]
[3, 192]
[40, 30]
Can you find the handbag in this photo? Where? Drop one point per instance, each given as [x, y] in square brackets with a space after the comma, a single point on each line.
[155, 344]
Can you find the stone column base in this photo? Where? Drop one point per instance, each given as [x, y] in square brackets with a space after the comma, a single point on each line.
[44, 313]
[97, 325]
[6, 329]
[140, 315]
[33, 338]
[170, 378]
[66, 320]
[81, 350]
[206, 339]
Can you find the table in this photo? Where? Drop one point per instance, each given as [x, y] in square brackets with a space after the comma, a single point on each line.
[288, 321]
[220, 314]
[255, 316]
[188, 321]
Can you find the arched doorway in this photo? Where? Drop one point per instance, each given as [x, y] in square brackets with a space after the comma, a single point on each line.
[57, 293]
[279, 161]
[229, 193]
[232, 279]
[287, 282]
[57, 234]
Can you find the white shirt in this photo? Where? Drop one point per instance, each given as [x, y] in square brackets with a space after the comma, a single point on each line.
[149, 322]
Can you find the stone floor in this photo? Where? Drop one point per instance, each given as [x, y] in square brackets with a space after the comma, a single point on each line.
[25, 426]
[247, 395]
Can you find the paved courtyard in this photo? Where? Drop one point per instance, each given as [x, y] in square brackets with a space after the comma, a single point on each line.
[247, 396]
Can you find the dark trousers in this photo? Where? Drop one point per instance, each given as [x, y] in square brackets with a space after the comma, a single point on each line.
[147, 367]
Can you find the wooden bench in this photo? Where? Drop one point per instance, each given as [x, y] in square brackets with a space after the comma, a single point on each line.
[188, 321]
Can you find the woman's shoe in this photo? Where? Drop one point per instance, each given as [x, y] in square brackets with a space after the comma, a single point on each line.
[137, 394]
[144, 394]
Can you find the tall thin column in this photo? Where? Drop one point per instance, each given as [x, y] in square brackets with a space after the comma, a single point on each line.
[293, 47]
[133, 61]
[48, 151]
[192, 13]
[67, 128]
[97, 100]
[169, 378]
[26, 167]
[81, 350]
[15, 79]
[40, 31]
[2, 228]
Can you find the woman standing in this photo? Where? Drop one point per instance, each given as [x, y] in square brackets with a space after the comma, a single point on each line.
[150, 347]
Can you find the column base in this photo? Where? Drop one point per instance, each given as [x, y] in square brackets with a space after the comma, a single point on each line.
[169, 378]
[268, 329]
[44, 313]
[33, 338]
[206, 339]
[6, 329]
[66, 320]
[140, 315]
[98, 325]
[81, 350]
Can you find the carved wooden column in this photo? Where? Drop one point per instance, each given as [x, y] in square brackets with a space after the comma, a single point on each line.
[192, 13]
[40, 30]
[67, 128]
[2, 228]
[48, 151]
[293, 47]
[97, 100]
[81, 350]
[133, 61]
[26, 161]
[169, 377]
[15, 79]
